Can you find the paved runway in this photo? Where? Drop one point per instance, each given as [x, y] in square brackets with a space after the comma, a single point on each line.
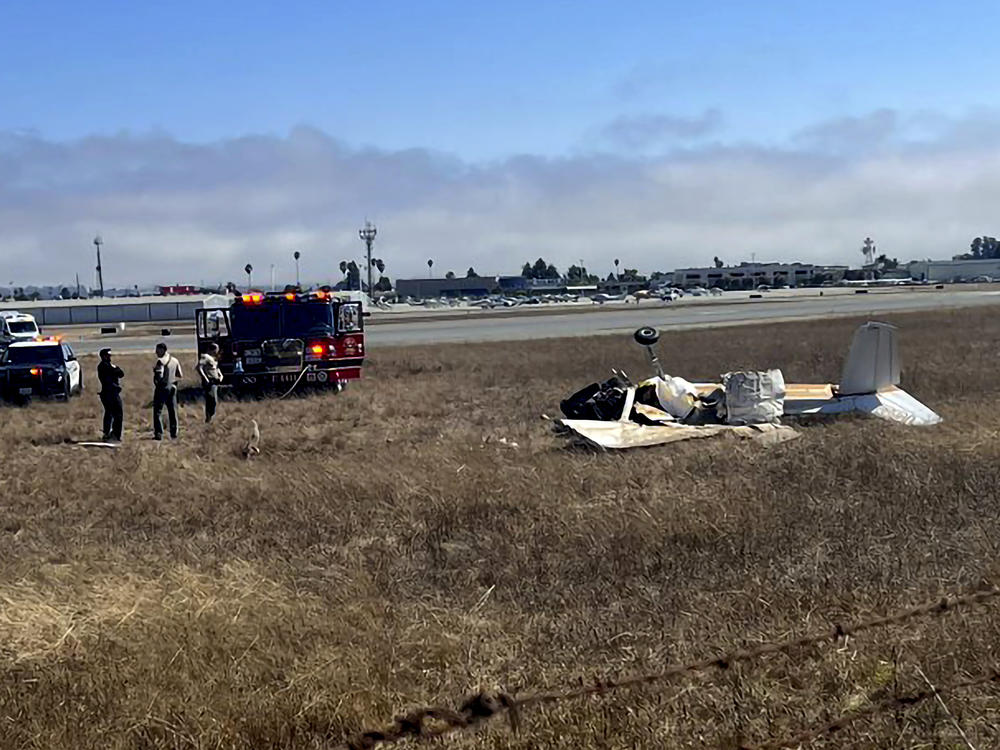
[619, 318]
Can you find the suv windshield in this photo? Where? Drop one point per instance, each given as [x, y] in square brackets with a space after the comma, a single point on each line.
[22, 326]
[35, 355]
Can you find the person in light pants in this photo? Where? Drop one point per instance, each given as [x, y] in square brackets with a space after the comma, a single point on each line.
[211, 377]
[166, 372]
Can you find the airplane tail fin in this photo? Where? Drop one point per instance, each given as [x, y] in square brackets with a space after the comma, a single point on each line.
[873, 361]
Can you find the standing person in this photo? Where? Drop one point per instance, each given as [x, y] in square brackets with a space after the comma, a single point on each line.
[166, 372]
[111, 396]
[211, 376]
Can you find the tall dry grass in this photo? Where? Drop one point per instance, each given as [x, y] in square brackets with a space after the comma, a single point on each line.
[385, 551]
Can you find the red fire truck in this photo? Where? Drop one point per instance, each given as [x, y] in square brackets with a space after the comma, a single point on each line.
[285, 339]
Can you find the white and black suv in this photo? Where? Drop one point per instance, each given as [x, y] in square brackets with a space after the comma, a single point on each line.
[40, 368]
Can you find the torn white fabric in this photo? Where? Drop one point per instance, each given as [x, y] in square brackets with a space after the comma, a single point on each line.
[676, 396]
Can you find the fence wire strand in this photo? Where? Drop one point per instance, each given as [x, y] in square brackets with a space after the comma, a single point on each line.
[883, 706]
[436, 721]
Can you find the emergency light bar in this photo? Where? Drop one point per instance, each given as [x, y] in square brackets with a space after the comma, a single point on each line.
[257, 298]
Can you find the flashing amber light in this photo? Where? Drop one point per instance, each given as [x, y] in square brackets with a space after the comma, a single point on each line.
[290, 296]
[317, 349]
[36, 371]
[322, 295]
[254, 298]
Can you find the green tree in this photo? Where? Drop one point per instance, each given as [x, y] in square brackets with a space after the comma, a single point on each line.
[471, 273]
[353, 276]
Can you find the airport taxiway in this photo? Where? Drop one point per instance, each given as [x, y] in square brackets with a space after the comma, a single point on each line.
[611, 318]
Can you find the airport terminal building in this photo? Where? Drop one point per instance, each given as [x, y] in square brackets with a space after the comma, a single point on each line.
[748, 275]
[954, 270]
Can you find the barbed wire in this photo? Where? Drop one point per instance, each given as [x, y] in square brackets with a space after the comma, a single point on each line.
[888, 704]
[435, 721]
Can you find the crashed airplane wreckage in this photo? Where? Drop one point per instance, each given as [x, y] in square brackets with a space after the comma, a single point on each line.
[619, 414]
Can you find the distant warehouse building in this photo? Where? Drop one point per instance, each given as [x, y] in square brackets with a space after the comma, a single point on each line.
[954, 270]
[747, 275]
[474, 286]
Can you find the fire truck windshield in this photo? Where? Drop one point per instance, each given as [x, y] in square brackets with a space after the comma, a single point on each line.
[279, 321]
[308, 320]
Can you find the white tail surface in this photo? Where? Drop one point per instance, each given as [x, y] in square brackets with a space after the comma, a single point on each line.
[873, 362]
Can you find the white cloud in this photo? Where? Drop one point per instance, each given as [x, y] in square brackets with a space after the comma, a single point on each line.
[641, 132]
[179, 212]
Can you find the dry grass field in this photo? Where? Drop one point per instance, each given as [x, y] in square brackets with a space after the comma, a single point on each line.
[386, 551]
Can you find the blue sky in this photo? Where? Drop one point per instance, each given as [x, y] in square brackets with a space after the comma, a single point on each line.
[481, 80]
[452, 97]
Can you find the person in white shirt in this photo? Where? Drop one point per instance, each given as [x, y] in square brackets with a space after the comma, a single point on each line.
[166, 372]
[211, 376]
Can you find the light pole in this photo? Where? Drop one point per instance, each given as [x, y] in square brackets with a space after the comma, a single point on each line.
[100, 273]
[367, 235]
[272, 277]
[868, 249]
[297, 255]
[248, 269]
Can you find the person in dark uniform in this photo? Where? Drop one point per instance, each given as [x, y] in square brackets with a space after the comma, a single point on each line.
[111, 396]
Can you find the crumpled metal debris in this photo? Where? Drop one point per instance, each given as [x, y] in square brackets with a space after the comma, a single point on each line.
[618, 435]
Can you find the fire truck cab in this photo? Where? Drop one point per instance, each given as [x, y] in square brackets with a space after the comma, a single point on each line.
[285, 339]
